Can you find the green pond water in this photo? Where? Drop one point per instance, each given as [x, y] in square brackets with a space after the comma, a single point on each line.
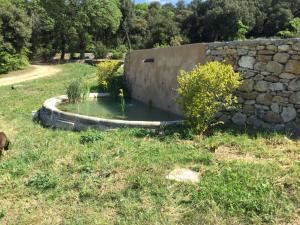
[111, 109]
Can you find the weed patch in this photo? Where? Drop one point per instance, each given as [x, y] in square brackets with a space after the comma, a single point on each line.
[42, 182]
[90, 136]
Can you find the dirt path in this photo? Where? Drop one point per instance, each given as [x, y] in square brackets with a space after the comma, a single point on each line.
[37, 71]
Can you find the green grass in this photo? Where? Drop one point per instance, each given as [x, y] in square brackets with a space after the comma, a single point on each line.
[118, 177]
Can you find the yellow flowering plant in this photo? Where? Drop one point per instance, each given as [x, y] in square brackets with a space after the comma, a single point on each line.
[206, 90]
[105, 71]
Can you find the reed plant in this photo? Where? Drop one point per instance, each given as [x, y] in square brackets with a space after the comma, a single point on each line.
[77, 91]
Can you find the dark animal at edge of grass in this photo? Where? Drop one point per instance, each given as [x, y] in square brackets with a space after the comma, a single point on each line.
[4, 142]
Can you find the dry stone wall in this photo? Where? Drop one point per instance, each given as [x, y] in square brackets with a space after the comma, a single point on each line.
[270, 94]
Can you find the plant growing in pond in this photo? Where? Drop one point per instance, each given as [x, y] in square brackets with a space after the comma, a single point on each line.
[122, 98]
[206, 90]
[77, 91]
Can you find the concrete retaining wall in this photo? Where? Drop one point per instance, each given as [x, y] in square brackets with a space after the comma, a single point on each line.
[152, 73]
[268, 98]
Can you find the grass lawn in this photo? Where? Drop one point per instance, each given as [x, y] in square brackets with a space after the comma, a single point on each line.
[49, 177]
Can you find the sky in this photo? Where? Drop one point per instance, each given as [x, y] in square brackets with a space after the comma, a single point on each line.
[161, 1]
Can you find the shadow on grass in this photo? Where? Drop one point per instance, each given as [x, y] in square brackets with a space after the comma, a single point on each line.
[250, 131]
[181, 131]
[186, 132]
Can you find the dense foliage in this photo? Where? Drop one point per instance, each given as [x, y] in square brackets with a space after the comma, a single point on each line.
[206, 90]
[41, 28]
[294, 31]
[110, 77]
[15, 32]
[77, 91]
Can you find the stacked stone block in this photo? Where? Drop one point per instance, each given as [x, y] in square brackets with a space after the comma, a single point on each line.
[269, 96]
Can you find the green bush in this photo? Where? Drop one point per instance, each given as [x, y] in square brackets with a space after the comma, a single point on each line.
[242, 30]
[10, 62]
[115, 84]
[77, 91]
[158, 45]
[100, 50]
[119, 52]
[206, 90]
[294, 31]
[110, 77]
[45, 53]
[15, 34]
[176, 41]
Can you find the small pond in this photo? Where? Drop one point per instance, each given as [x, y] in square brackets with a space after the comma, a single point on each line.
[109, 108]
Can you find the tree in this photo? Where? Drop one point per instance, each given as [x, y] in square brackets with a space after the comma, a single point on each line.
[182, 14]
[139, 27]
[42, 42]
[162, 24]
[105, 18]
[77, 23]
[278, 18]
[127, 9]
[294, 31]
[217, 20]
[15, 32]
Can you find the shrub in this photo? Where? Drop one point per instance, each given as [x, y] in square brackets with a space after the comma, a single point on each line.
[294, 32]
[242, 30]
[206, 90]
[119, 52]
[10, 62]
[158, 45]
[100, 50]
[77, 91]
[45, 53]
[105, 72]
[176, 41]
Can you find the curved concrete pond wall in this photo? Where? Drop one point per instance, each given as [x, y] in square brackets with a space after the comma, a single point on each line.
[51, 116]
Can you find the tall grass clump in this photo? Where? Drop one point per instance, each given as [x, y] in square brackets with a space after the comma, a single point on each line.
[77, 91]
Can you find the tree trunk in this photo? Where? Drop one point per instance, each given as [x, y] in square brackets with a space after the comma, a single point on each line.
[82, 47]
[63, 49]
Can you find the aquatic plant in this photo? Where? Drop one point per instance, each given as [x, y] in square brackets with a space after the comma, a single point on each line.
[122, 99]
[77, 91]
